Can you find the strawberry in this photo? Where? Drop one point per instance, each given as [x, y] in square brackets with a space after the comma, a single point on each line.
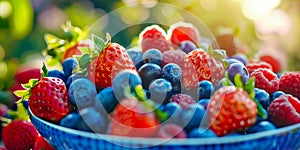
[256, 65]
[231, 110]
[276, 66]
[42, 144]
[154, 37]
[73, 50]
[19, 135]
[266, 79]
[289, 83]
[182, 31]
[184, 100]
[173, 56]
[110, 59]
[284, 110]
[23, 76]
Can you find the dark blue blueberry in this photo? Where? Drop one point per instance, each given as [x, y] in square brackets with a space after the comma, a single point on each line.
[136, 56]
[25, 103]
[205, 89]
[68, 65]
[172, 72]
[72, 78]
[107, 100]
[57, 74]
[82, 93]
[276, 94]
[160, 90]
[174, 111]
[204, 102]
[261, 126]
[238, 68]
[279, 74]
[201, 133]
[187, 46]
[240, 57]
[148, 95]
[232, 61]
[192, 116]
[263, 97]
[153, 56]
[149, 72]
[92, 120]
[70, 121]
[125, 79]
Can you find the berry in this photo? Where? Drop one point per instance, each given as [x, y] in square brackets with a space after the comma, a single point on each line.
[171, 131]
[160, 90]
[174, 111]
[68, 65]
[136, 56]
[130, 118]
[290, 83]
[232, 61]
[277, 94]
[74, 50]
[72, 78]
[154, 37]
[57, 74]
[183, 31]
[231, 110]
[226, 42]
[205, 89]
[266, 79]
[201, 133]
[149, 72]
[107, 100]
[42, 144]
[261, 126]
[276, 66]
[183, 100]
[284, 110]
[173, 56]
[263, 97]
[187, 46]
[240, 57]
[204, 103]
[18, 135]
[23, 76]
[238, 68]
[82, 93]
[172, 72]
[70, 121]
[96, 121]
[256, 65]
[153, 56]
[192, 116]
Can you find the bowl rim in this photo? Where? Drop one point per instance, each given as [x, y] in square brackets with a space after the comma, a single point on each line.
[173, 141]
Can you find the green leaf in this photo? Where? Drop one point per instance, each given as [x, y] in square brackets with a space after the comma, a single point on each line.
[21, 93]
[161, 116]
[238, 81]
[84, 60]
[45, 70]
[226, 82]
[51, 39]
[85, 50]
[249, 87]
[260, 109]
[31, 83]
[140, 93]
[98, 43]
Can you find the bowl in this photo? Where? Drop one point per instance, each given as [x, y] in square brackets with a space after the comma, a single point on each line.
[65, 138]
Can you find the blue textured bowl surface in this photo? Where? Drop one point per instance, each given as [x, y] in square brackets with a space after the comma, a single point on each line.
[287, 138]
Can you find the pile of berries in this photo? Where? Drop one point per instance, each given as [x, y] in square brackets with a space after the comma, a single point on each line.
[168, 87]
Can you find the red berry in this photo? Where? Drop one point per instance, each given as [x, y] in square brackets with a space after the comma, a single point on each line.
[276, 66]
[256, 65]
[42, 144]
[24, 76]
[230, 110]
[183, 31]
[184, 100]
[154, 37]
[266, 79]
[173, 56]
[285, 110]
[290, 83]
[171, 131]
[74, 50]
[19, 135]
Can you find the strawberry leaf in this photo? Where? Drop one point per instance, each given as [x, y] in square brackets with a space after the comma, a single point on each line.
[84, 60]
[20, 114]
[140, 93]
[44, 70]
[85, 50]
[226, 82]
[21, 93]
[238, 81]
[99, 44]
[249, 87]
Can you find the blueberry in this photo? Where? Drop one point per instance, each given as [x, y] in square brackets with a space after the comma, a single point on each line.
[276, 94]
[205, 89]
[68, 65]
[201, 133]
[92, 120]
[57, 74]
[107, 100]
[204, 102]
[70, 120]
[187, 46]
[147, 94]
[25, 103]
[232, 61]
[261, 126]
[153, 56]
[263, 97]
[172, 72]
[72, 78]
[238, 68]
[136, 56]
[82, 93]
[149, 72]
[240, 57]
[160, 90]
[124, 79]
[192, 116]
[174, 111]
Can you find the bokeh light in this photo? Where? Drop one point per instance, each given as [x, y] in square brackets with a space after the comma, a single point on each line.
[5, 9]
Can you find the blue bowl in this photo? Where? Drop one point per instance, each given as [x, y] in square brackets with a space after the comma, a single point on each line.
[65, 138]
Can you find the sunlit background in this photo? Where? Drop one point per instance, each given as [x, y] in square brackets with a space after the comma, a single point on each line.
[265, 26]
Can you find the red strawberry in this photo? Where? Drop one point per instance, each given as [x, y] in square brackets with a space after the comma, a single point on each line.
[19, 135]
[112, 59]
[256, 65]
[266, 79]
[154, 37]
[74, 50]
[276, 66]
[184, 100]
[183, 31]
[173, 56]
[130, 118]
[24, 76]
[284, 110]
[42, 144]
[290, 83]
[231, 110]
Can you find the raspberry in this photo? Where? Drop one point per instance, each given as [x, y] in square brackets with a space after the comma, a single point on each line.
[182, 31]
[276, 66]
[290, 83]
[285, 110]
[183, 100]
[256, 65]
[173, 56]
[266, 79]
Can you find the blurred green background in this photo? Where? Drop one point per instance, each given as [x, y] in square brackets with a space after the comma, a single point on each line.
[266, 26]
